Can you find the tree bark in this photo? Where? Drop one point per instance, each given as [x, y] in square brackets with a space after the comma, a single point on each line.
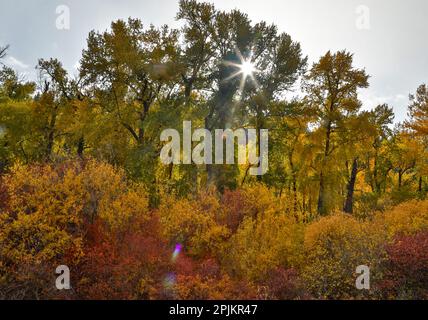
[322, 210]
[80, 147]
[349, 202]
[400, 179]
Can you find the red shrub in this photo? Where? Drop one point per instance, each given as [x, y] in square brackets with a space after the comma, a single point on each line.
[235, 205]
[406, 275]
[128, 267]
[283, 284]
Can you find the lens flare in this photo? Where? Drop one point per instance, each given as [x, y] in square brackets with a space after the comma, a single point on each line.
[247, 68]
[177, 251]
[169, 281]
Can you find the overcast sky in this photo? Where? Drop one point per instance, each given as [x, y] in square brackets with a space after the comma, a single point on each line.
[393, 50]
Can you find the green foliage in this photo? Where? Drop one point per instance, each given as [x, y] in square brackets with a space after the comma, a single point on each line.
[81, 181]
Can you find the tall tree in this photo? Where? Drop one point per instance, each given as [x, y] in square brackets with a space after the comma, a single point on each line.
[418, 111]
[129, 69]
[218, 44]
[355, 140]
[331, 87]
[378, 164]
[418, 123]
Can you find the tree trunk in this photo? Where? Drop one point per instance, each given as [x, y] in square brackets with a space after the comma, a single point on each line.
[170, 170]
[51, 133]
[349, 202]
[80, 147]
[322, 210]
[294, 182]
[259, 125]
[321, 206]
[295, 197]
[400, 179]
[50, 143]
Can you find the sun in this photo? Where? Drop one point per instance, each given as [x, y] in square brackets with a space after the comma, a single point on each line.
[247, 68]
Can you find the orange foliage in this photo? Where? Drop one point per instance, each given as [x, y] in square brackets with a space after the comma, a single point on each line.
[239, 245]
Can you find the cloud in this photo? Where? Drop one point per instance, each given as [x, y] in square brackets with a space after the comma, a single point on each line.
[13, 62]
[371, 100]
[398, 102]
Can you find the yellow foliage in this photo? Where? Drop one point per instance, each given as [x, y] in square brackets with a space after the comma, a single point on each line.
[122, 211]
[262, 244]
[334, 247]
[193, 223]
[29, 239]
[259, 198]
[405, 219]
[198, 288]
[49, 205]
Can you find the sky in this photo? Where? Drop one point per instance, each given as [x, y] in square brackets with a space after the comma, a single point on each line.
[388, 37]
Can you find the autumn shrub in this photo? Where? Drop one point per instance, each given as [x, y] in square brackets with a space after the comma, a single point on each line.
[33, 242]
[405, 219]
[3, 195]
[403, 194]
[337, 244]
[196, 287]
[368, 203]
[234, 209]
[30, 281]
[283, 284]
[50, 206]
[206, 280]
[334, 247]
[262, 244]
[406, 269]
[249, 201]
[241, 244]
[192, 223]
[128, 267]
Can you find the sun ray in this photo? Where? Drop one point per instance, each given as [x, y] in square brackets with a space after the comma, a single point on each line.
[234, 75]
[246, 68]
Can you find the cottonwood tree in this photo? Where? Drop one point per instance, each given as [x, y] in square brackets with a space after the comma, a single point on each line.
[418, 111]
[418, 123]
[355, 139]
[15, 115]
[378, 164]
[331, 86]
[217, 45]
[14, 87]
[128, 69]
[51, 103]
[131, 75]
